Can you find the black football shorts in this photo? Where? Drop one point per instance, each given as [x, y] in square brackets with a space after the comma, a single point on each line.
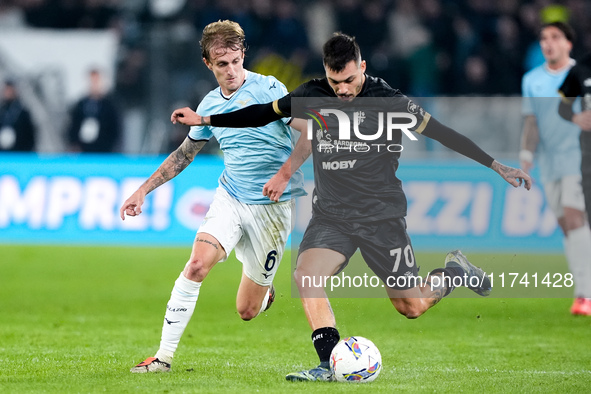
[384, 245]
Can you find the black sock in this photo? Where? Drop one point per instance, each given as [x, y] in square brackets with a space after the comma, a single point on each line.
[324, 340]
[449, 273]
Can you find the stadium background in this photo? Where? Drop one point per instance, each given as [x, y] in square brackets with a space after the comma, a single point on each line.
[462, 60]
[82, 293]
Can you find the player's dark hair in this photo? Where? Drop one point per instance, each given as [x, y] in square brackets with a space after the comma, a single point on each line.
[568, 31]
[224, 34]
[340, 50]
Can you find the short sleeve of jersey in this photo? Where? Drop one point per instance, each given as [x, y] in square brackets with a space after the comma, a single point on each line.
[278, 94]
[200, 133]
[571, 86]
[526, 104]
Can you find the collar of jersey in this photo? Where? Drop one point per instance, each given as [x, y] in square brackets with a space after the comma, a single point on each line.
[570, 64]
[232, 95]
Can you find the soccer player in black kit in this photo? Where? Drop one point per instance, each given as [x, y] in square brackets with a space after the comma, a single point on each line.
[359, 203]
[578, 83]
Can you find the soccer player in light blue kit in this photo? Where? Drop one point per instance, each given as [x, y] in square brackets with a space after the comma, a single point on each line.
[240, 217]
[556, 142]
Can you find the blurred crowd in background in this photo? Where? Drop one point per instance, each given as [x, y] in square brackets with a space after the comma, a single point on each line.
[423, 47]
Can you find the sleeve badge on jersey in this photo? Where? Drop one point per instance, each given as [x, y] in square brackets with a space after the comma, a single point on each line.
[415, 108]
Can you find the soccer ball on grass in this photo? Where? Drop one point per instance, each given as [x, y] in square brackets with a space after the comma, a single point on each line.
[355, 359]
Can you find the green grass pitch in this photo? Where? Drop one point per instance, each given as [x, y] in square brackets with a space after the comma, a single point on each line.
[75, 319]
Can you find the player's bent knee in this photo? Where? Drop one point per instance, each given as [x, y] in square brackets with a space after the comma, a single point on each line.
[410, 310]
[299, 275]
[307, 274]
[410, 313]
[248, 312]
[573, 219]
[196, 270]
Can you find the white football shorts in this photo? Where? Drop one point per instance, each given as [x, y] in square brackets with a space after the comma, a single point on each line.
[565, 192]
[258, 233]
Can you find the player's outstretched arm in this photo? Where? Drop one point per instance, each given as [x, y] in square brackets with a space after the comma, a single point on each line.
[514, 176]
[275, 187]
[462, 144]
[174, 164]
[252, 116]
[188, 117]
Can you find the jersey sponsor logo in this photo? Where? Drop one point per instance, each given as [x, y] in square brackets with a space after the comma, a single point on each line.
[267, 275]
[171, 322]
[338, 165]
[272, 86]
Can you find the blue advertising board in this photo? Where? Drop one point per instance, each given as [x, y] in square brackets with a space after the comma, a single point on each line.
[462, 204]
[75, 199]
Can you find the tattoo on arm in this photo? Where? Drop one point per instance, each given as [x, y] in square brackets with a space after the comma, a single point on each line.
[207, 242]
[174, 164]
[530, 137]
[504, 171]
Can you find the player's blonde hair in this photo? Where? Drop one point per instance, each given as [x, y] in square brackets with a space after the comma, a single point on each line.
[224, 34]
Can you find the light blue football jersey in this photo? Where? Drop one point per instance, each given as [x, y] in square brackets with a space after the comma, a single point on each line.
[251, 155]
[559, 152]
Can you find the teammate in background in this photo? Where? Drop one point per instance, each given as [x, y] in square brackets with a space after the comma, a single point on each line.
[240, 217]
[559, 154]
[578, 83]
[362, 206]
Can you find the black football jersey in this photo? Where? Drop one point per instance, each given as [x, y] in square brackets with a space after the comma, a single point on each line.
[355, 176]
[578, 83]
